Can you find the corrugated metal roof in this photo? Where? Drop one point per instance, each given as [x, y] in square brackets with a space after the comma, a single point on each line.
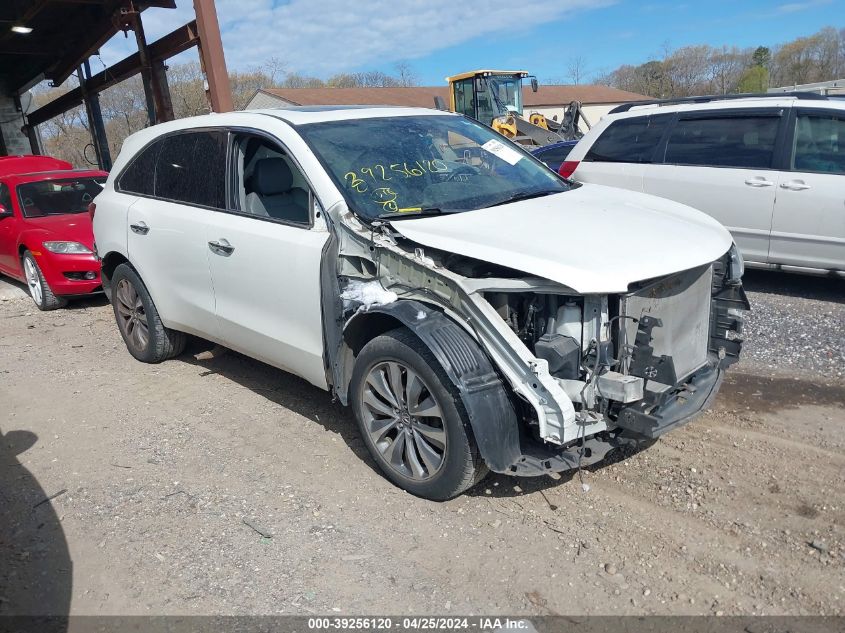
[423, 96]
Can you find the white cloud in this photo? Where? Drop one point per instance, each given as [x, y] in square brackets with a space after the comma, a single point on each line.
[329, 36]
[795, 7]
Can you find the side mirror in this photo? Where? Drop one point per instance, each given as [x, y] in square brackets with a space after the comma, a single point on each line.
[534, 84]
[4, 212]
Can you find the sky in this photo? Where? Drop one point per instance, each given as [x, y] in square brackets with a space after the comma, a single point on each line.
[442, 37]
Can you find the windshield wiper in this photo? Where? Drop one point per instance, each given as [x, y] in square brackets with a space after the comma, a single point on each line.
[416, 213]
[525, 195]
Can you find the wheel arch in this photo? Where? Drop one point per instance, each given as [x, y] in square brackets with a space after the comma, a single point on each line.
[483, 393]
[112, 260]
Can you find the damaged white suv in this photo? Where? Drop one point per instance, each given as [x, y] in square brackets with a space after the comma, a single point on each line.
[475, 310]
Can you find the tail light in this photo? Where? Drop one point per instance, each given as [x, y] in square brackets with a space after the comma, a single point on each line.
[92, 209]
[568, 168]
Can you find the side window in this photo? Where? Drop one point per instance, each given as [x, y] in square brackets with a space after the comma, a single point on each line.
[463, 97]
[628, 140]
[819, 144]
[139, 177]
[5, 197]
[727, 141]
[268, 183]
[191, 168]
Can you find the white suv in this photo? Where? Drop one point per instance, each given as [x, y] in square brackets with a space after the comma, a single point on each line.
[771, 169]
[475, 310]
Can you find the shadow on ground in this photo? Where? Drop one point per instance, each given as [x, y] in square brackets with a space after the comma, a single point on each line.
[795, 285]
[286, 390]
[36, 572]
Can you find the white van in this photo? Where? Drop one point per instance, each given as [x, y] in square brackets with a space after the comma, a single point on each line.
[769, 168]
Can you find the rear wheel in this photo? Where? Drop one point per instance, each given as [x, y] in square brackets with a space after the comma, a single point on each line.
[39, 289]
[412, 418]
[138, 320]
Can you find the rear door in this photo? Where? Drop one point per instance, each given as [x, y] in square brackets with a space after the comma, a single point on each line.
[622, 150]
[166, 240]
[724, 163]
[808, 226]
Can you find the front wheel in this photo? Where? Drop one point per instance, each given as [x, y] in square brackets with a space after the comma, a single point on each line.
[39, 289]
[138, 320]
[412, 419]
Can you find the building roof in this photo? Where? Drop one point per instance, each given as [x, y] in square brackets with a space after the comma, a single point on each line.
[423, 96]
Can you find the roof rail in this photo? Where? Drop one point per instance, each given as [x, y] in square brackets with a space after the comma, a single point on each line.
[812, 96]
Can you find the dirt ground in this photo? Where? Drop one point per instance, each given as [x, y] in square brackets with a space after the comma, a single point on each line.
[229, 487]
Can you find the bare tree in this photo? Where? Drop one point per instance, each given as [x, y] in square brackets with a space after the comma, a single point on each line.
[576, 69]
[405, 74]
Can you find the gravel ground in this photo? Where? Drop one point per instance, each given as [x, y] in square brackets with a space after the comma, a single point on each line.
[797, 324]
[226, 486]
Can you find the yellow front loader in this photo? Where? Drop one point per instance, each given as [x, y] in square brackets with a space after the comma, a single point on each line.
[494, 97]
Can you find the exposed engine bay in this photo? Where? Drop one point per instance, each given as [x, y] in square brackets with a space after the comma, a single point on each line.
[580, 369]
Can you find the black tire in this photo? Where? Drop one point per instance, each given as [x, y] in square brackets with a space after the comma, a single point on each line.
[160, 343]
[43, 296]
[461, 466]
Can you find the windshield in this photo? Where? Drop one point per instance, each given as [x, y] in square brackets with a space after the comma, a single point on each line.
[505, 92]
[422, 164]
[58, 197]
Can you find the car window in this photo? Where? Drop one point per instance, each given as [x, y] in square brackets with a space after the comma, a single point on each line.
[726, 141]
[628, 140]
[5, 197]
[268, 182]
[819, 143]
[411, 165]
[554, 155]
[191, 168]
[139, 176]
[58, 197]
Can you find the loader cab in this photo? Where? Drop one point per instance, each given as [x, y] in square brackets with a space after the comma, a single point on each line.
[486, 95]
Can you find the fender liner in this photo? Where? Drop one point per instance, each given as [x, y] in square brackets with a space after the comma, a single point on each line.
[484, 396]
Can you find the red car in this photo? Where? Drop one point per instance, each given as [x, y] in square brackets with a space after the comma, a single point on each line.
[46, 239]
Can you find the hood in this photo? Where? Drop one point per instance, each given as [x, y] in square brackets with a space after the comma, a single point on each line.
[593, 239]
[71, 227]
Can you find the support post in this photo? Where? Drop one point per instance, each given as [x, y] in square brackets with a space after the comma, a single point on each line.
[95, 119]
[164, 105]
[146, 66]
[213, 63]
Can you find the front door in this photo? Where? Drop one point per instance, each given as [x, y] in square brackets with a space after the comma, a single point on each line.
[265, 257]
[808, 226]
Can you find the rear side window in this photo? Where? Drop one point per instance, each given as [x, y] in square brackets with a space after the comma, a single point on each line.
[819, 144]
[139, 177]
[629, 140]
[735, 141]
[5, 197]
[191, 168]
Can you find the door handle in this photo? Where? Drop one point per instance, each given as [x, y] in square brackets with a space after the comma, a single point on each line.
[140, 228]
[758, 182]
[794, 185]
[221, 247]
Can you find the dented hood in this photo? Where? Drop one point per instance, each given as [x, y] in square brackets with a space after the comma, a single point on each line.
[593, 239]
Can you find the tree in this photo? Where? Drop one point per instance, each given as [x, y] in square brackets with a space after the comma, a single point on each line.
[754, 79]
[576, 69]
[406, 76]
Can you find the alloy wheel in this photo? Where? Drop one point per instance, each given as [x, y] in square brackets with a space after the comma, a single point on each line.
[33, 280]
[132, 318]
[404, 420]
